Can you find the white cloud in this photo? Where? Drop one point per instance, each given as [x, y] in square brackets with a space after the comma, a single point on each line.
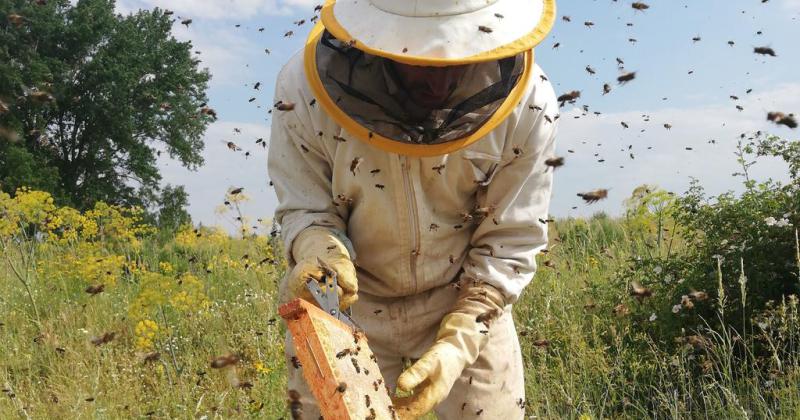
[668, 164]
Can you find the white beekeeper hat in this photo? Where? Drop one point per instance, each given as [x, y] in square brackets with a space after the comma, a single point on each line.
[440, 32]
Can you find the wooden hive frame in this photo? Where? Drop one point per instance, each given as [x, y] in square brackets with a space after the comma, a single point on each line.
[332, 354]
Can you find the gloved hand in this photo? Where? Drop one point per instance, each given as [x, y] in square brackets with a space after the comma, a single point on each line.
[315, 245]
[462, 335]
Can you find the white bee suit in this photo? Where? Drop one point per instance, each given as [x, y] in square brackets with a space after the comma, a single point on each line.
[417, 224]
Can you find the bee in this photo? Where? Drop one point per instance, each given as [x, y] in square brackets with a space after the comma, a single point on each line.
[380, 186]
[151, 357]
[569, 97]
[588, 24]
[284, 106]
[782, 119]
[236, 191]
[478, 413]
[375, 171]
[668, 126]
[339, 139]
[485, 29]
[487, 317]
[498, 15]
[686, 302]
[343, 353]
[312, 102]
[621, 310]
[93, 290]
[554, 162]
[341, 388]
[355, 164]
[765, 51]
[186, 22]
[304, 148]
[624, 124]
[640, 292]
[438, 168]
[696, 39]
[355, 364]
[566, 18]
[288, 34]
[295, 406]
[594, 196]
[590, 70]
[626, 77]
[103, 339]
[367, 400]
[638, 5]
[224, 361]
[452, 259]
[372, 415]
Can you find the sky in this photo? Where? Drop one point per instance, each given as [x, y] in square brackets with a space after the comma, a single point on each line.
[686, 73]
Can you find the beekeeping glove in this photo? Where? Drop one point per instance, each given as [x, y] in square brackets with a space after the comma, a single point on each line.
[316, 245]
[462, 335]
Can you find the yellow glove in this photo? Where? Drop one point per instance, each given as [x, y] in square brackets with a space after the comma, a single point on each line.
[315, 245]
[462, 335]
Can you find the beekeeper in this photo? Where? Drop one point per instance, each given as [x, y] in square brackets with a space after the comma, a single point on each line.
[408, 152]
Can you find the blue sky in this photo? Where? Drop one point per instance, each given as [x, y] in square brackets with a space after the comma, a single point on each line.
[697, 105]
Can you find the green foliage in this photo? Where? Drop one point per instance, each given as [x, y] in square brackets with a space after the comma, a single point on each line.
[172, 214]
[94, 96]
[739, 256]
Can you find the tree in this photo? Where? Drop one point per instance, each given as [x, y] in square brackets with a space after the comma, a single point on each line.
[173, 214]
[94, 98]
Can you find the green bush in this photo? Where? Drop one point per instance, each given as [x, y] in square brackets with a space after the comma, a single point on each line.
[740, 258]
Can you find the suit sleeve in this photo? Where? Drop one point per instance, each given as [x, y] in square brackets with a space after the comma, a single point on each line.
[300, 171]
[503, 248]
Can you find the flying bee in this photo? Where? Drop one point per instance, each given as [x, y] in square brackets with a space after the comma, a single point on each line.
[151, 357]
[186, 22]
[95, 289]
[594, 196]
[295, 406]
[782, 119]
[486, 318]
[606, 88]
[765, 51]
[590, 70]
[485, 29]
[638, 5]
[284, 106]
[698, 295]
[542, 342]
[626, 77]
[640, 292]
[103, 339]
[220, 362]
[554, 162]
[588, 24]
[570, 97]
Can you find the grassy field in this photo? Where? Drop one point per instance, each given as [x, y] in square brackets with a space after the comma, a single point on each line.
[174, 303]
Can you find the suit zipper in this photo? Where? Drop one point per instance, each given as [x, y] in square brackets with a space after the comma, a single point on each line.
[413, 218]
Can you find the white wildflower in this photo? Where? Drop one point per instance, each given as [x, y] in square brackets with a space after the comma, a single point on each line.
[653, 317]
[762, 325]
[657, 269]
[770, 221]
[676, 308]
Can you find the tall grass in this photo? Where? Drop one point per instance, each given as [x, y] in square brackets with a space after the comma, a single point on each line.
[590, 348]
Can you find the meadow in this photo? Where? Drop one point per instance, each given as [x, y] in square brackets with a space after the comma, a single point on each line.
[104, 316]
